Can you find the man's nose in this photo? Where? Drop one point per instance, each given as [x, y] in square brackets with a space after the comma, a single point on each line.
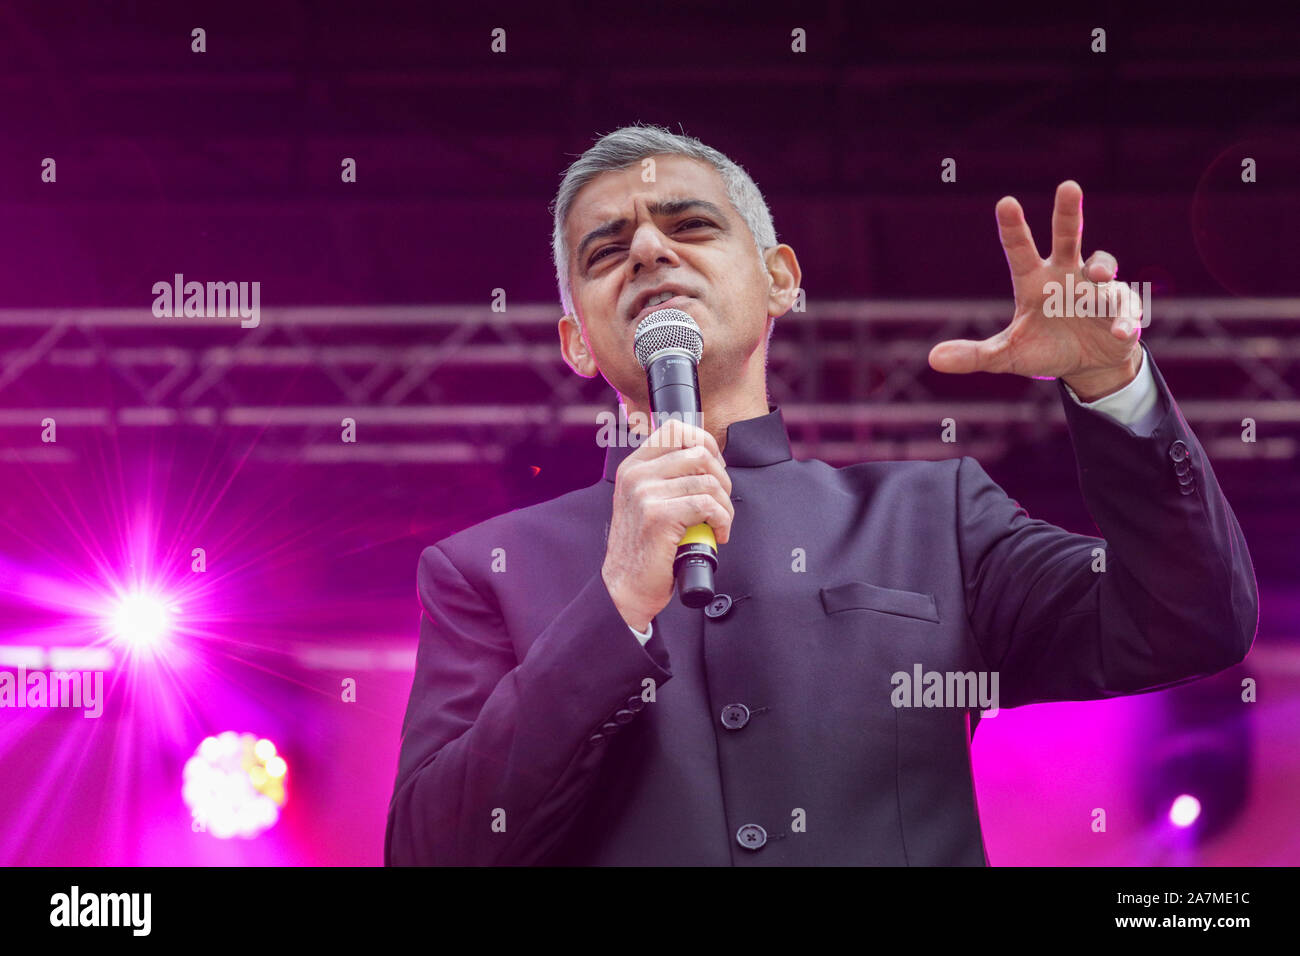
[649, 246]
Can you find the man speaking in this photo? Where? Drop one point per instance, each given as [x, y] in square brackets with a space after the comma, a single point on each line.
[573, 710]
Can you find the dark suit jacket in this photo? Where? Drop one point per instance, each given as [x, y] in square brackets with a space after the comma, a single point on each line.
[772, 738]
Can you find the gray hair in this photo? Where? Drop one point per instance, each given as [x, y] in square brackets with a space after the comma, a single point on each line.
[628, 146]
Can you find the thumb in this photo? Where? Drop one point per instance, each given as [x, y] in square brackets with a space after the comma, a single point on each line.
[960, 356]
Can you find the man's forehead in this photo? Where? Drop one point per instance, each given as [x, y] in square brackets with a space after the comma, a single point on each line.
[610, 195]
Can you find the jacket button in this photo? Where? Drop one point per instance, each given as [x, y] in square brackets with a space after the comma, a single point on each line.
[1187, 489]
[735, 716]
[751, 836]
[1182, 468]
[1178, 450]
[623, 716]
[635, 703]
[609, 727]
[719, 606]
[596, 739]
[1186, 479]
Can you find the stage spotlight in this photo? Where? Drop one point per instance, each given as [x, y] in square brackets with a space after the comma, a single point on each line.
[234, 785]
[1184, 810]
[141, 620]
[1197, 771]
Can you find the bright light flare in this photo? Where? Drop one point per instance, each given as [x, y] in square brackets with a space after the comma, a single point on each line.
[141, 620]
[1184, 811]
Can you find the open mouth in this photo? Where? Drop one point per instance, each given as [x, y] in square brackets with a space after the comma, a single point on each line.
[662, 300]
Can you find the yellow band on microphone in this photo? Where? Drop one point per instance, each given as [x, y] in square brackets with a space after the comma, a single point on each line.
[700, 534]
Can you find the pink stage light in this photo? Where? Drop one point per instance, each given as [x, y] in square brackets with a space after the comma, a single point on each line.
[234, 785]
[1184, 810]
[142, 620]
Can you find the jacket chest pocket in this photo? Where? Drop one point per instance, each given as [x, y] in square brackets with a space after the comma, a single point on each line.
[858, 595]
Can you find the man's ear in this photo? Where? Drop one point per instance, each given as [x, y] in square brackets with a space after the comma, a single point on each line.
[784, 274]
[573, 346]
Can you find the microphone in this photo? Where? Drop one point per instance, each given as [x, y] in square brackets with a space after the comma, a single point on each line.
[669, 345]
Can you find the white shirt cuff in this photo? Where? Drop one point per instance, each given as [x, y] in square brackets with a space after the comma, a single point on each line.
[643, 636]
[1132, 403]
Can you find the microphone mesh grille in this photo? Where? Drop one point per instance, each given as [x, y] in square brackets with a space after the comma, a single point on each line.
[667, 329]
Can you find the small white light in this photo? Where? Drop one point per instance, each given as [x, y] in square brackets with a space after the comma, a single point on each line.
[1184, 811]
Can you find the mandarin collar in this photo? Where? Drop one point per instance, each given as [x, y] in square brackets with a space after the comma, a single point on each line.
[751, 443]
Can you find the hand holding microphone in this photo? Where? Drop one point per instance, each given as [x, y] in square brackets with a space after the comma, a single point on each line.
[672, 495]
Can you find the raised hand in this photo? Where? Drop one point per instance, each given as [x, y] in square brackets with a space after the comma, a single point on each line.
[1095, 354]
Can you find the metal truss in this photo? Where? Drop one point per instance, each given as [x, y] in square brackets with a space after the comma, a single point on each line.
[465, 384]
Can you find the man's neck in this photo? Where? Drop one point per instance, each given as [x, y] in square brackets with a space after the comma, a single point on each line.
[719, 412]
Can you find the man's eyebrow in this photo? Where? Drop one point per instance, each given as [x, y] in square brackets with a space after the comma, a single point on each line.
[668, 207]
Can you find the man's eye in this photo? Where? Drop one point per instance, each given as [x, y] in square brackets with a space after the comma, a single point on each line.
[685, 224]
